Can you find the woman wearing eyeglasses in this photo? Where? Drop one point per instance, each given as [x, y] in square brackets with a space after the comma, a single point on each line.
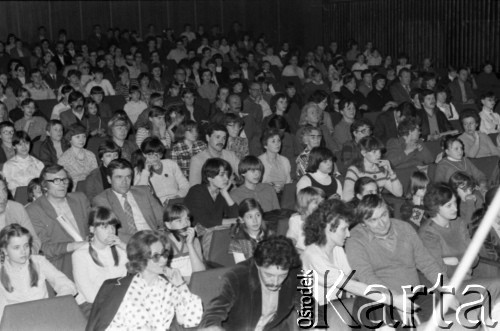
[102, 258]
[164, 176]
[150, 296]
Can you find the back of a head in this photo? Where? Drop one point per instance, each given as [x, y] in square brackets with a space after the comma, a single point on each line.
[276, 251]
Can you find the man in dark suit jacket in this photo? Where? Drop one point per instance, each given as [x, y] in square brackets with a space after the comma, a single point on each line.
[59, 218]
[53, 78]
[386, 125]
[61, 58]
[430, 112]
[239, 304]
[400, 91]
[136, 207]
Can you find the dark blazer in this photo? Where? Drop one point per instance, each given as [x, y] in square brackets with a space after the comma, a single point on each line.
[53, 236]
[107, 302]
[47, 153]
[385, 126]
[443, 124]
[456, 92]
[67, 118]
[94, 184]
[59, 63]
[239, 304]
[200, 115]
[151, 209]
[54, 84]
[399, 93]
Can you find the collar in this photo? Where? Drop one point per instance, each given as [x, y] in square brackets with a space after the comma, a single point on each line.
[158, 171]
[391, 235]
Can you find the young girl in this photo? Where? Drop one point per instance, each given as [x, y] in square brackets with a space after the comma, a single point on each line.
[187, 146]
[23, 275]
[95, 123]
[308, 200]
[187, 256]
[412, 210]
[34, 189]
[235, 143]
[207, 90]
[135, 106]
[103, 257]
[248, 231]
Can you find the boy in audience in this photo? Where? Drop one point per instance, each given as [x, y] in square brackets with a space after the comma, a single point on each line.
[100, 81]
[33, 125]
[52, 148]
[250, 169]
[490, 121]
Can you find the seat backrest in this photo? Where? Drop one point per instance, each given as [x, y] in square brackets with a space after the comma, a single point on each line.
[219, 247]
[115, 102]
[207, 284]
[58, 313]
[21, 195]
[46, 106]
[486, 164]
[289, 196]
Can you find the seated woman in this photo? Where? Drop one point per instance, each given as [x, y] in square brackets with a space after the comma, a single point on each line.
[54, 145]
[446, 238]
[235, 142]
[163, 175]
[308, 200]
[24, 274]
[118, 130]
[187, 145]
[326, 231]
[408, 150]
[102, 258]
[114, 307]
[207, 89]
[187, 256]
[7, 151]
[372, 166]
[311, 115]
[279, 107]
[476, 143]
[97, 180]
[320, 173]
[468, 198]
[77, 161]
[351, 151]
[454, 160]
[248, 231]
[34, 126]
[311, 138]
[250, 170]
[156, 127]
[276, 167]
[412, 210]
[23, 167]
[210, 202]
[13, 212]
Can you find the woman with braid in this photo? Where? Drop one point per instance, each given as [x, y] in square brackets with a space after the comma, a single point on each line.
[103, 257]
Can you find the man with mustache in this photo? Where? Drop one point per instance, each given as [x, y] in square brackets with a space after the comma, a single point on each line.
[216, 139]
[257, 294]
[434, 124]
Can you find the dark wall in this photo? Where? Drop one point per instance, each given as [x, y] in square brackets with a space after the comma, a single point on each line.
[454, 32]
[293, 20]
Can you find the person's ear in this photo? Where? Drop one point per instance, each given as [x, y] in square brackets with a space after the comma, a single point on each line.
[109, 179]
[92, 229]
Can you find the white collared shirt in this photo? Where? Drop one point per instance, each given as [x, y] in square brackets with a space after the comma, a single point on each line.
[140, 221]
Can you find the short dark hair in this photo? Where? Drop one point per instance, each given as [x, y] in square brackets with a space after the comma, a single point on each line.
[20, 136]
[215, 127]
[461, 179]
[318, 155]
[361, 182]
[359, 123]
[268, 134]
[276, 251]
[183, 128]
[75, 129]
[118, 164]
[370, 143]
[402, 71]
[425, 93]
[436, 196]
[153, 145]
[75, 95]
[275, 98]
[212, 167]
[96, 90]
[466, 113]
[406, 126]
[108, 146]
[139, 249]
[366, 207]
[250, 162]
[449, 140]
[330, 211]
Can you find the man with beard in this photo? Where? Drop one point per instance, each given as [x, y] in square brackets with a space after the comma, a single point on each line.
[257, 294]
[76, 113]
[433, 124]
[216, 135]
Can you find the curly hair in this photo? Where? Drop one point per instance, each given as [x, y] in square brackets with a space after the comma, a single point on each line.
[328, 212]
[139, 249]
[278, 251]
[437, 195]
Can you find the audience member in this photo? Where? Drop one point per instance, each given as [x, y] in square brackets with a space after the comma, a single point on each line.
[386, 125]
[341, 132]
[400, 91]
[97, 181]
[118, 130]
[276, 167]
[7, 150]
[476, 143]
[433, 122]
[443, 104]
[490, 120]
[114, 306]
[187, 145]
[102, 258]
[412, 210]
[34, 126]
[135, 206]
[462, 94]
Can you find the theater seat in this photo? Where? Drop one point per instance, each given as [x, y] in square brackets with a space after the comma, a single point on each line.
[45, 107]
[289, 196]
[218, 253]
[486, 164]
[21, 195]
[116, 102]
[58, 313]
[207, 284]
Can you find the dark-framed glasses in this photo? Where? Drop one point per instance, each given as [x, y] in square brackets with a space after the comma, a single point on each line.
[156, 256]
[58, 181]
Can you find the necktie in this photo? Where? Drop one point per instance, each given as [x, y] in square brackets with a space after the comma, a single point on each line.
[129, 221]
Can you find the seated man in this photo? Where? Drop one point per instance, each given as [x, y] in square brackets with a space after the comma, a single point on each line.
[216, 138]
[54, 146]
[400, 91]
[377, 240]
[386, 125]
[59, 218]
[462, 94]
[257, 294]
[434, 124]
[38, 88]
[135, 207]
[408, 150]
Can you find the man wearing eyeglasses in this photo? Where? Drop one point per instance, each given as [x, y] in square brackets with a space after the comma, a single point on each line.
[59, 218]
[135, 206]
